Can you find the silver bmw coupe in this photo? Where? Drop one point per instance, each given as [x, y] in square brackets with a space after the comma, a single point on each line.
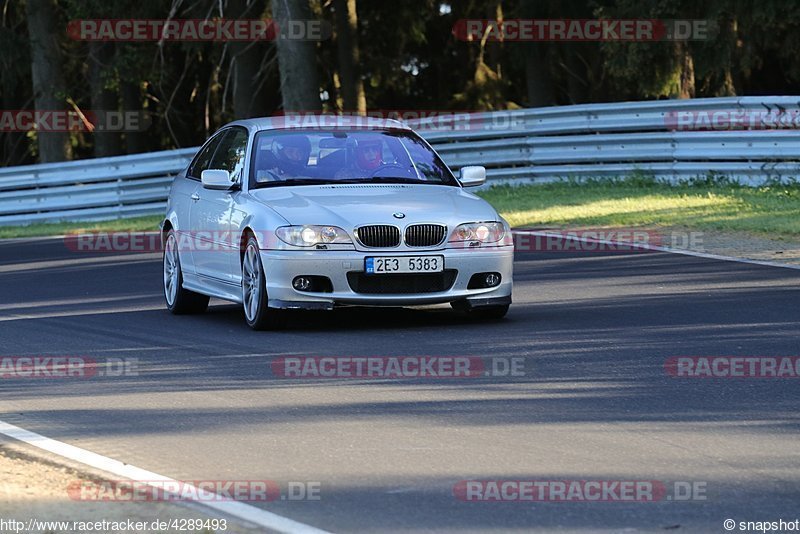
[277, 217]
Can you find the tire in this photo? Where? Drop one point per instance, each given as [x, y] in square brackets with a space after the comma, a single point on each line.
[180, 301]
[257, 313]
[484, 313]
[489, 313]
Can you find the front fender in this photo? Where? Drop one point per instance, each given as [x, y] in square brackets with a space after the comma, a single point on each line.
[259, 219]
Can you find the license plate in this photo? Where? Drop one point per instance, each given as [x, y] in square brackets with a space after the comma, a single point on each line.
[403, 264]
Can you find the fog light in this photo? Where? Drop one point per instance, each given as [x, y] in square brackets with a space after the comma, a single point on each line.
[312, 283]
[484, 280]
[491, 280]
[301, 283]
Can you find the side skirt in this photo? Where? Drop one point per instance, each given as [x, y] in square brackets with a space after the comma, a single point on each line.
[213, 287]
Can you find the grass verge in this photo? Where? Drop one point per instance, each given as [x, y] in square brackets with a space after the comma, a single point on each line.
[134, 224]
[771, 210]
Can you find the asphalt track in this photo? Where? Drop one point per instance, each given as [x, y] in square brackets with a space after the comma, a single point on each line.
[595, 403]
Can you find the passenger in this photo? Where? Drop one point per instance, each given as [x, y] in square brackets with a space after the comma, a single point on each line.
[369, 154]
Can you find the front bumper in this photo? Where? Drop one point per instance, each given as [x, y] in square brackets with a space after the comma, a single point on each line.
[281, 266]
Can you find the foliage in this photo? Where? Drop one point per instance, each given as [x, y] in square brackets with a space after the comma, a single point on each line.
[410, 60]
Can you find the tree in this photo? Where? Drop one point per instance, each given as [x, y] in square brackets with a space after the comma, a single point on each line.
[297, 59]
[15, 85]
[385, 55]
[103, 97]
[253, 74]
[47, 76]
[349, 56]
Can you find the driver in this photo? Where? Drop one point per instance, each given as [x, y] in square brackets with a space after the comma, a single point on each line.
[369, 154]
[291, 154]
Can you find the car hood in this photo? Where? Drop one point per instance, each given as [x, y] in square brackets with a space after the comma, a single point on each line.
[352, 205]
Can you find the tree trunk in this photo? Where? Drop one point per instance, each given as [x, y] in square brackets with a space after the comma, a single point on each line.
[684, 64]
[349, 56]
[48, 79]
[135, 142]
[537, 74]
[13, 145]
[731, 74]
[15, 91]
[250, 97]
[577, 82]
[687, 75]
[101, 57]
[296, 59]
[249, 87]
[493, 50]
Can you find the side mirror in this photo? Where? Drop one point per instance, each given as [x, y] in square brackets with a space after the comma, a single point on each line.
[216, 179]
[472, 176]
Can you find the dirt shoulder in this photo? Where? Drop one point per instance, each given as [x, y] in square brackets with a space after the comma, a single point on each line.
[35, 488]
[741, 245]
[751, 247]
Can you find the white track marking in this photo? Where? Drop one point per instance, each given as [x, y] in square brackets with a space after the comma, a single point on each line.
[655, 248]
[239, 510]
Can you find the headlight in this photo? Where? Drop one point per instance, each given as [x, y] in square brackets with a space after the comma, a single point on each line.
[485, 232]
[310, 235]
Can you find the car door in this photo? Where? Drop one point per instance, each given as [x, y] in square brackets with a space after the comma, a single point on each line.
[215, 241]
[186, 195]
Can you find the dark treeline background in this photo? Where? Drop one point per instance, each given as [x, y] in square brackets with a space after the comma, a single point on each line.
[383, 54]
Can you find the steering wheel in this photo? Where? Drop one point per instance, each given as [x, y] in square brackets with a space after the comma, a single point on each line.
[403, 170]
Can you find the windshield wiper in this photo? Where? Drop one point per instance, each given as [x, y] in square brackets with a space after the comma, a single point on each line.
[334, 181]
[393, 180]
[298, 181]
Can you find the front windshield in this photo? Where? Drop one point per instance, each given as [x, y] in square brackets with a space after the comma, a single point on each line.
[306, 157]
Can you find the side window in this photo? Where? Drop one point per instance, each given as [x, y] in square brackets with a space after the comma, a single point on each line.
[203, 159]
[230, 154]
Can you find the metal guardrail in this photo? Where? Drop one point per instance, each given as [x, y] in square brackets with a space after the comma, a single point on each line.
[518, 146]
[608, 140]
[88, 190]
